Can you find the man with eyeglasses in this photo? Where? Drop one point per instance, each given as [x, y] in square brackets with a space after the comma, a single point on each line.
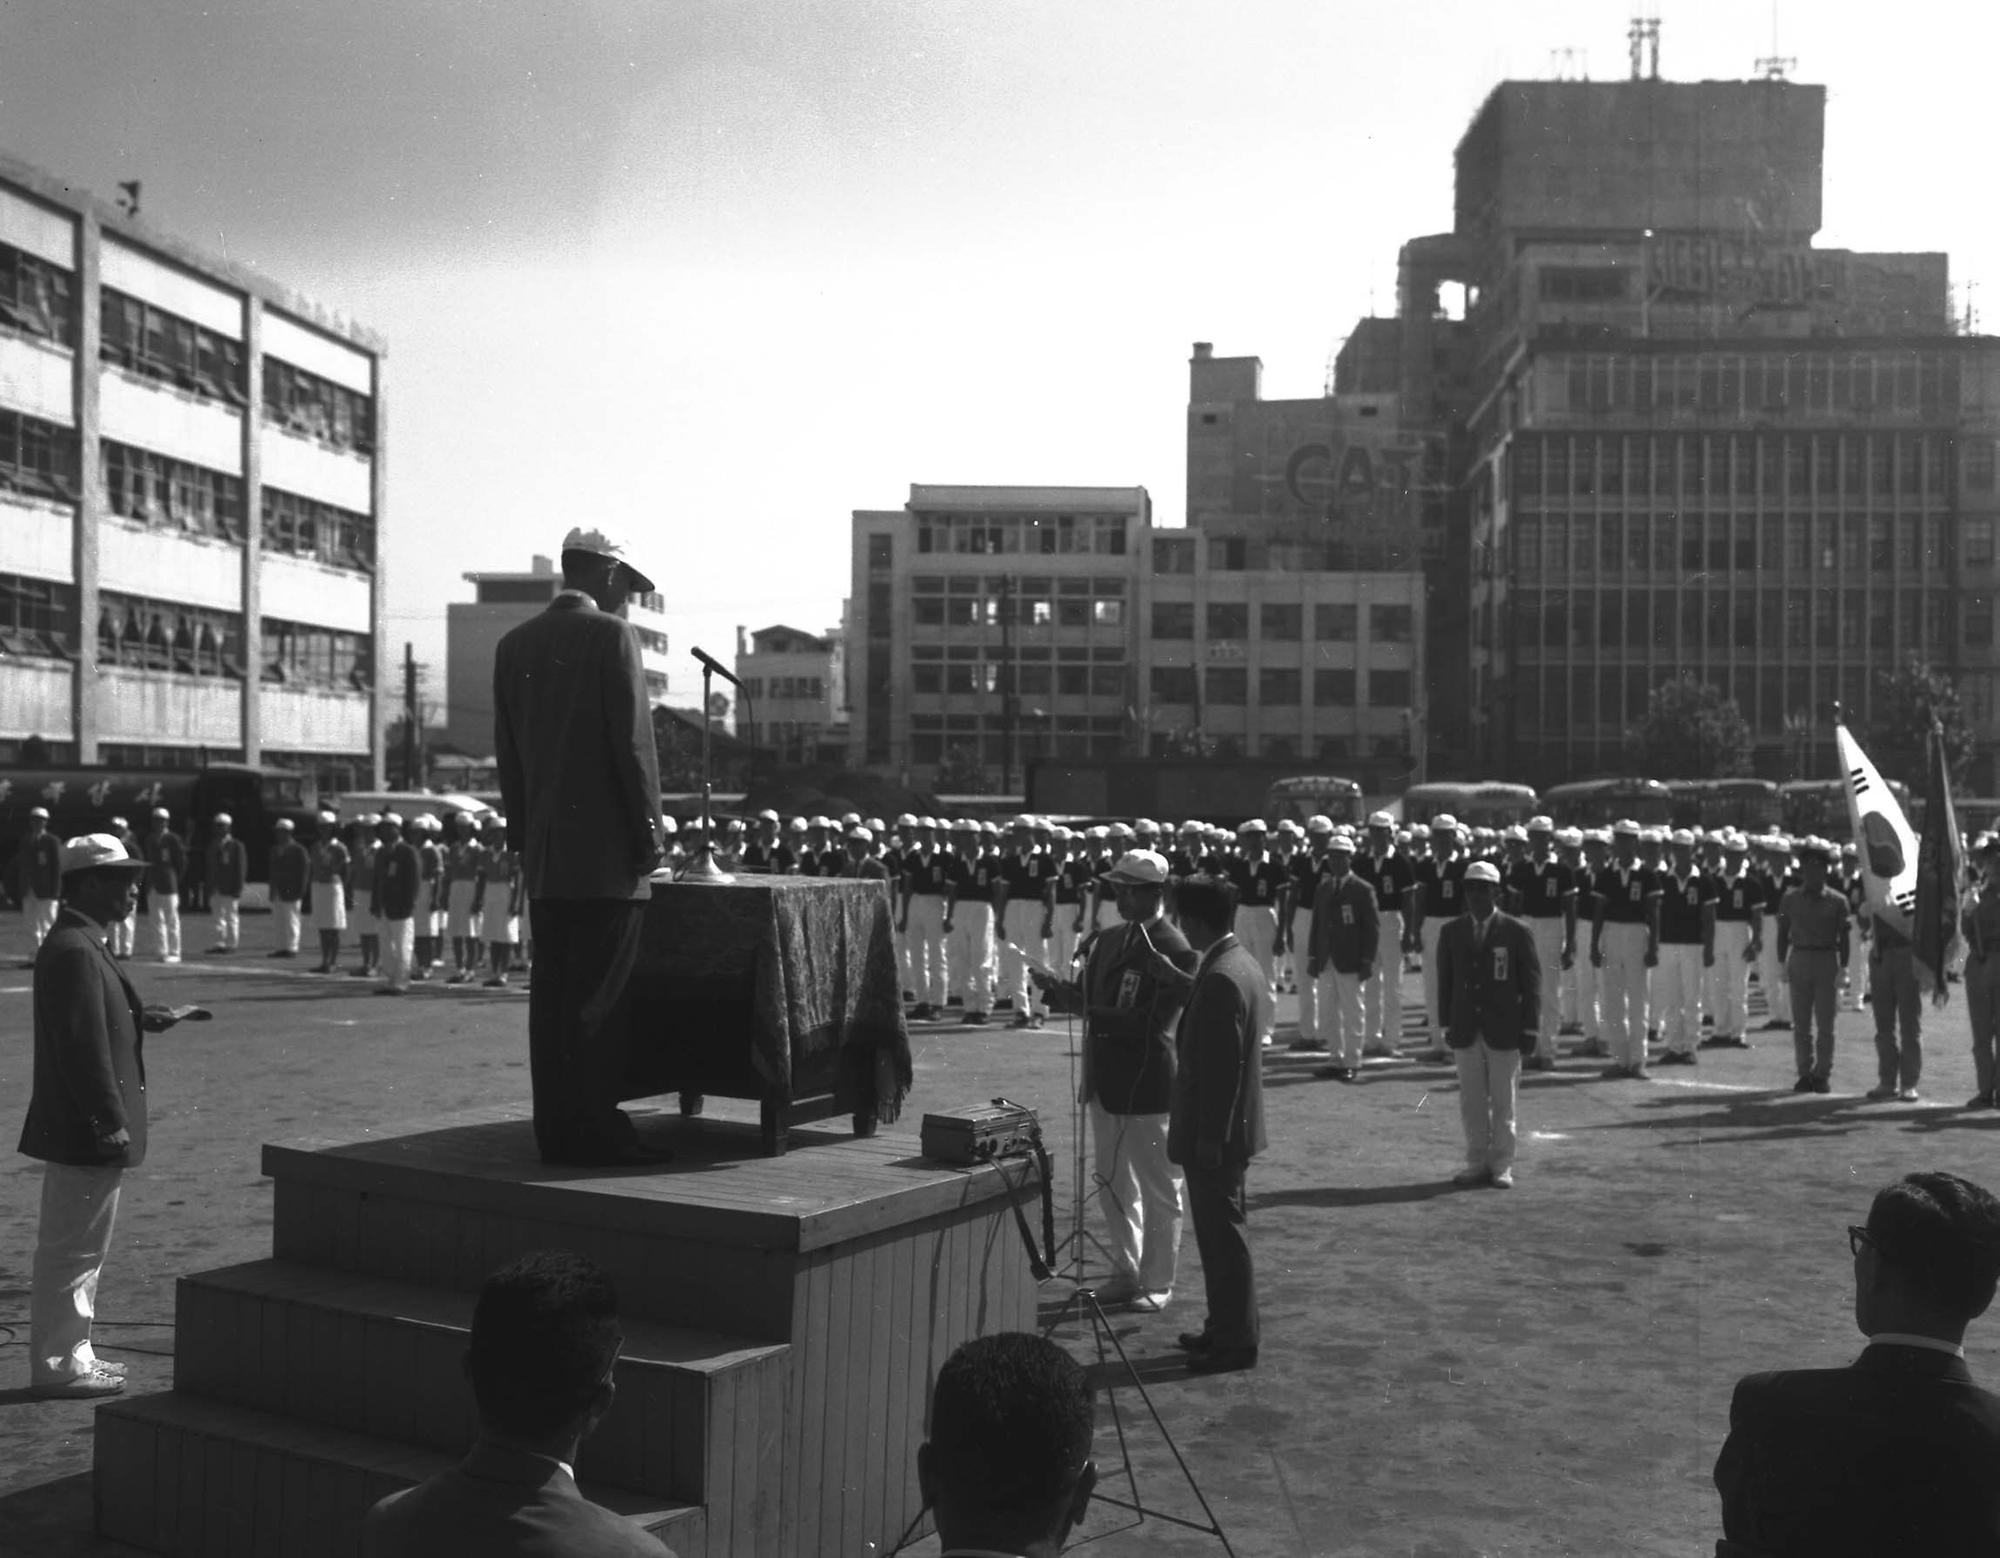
[1899, 1452]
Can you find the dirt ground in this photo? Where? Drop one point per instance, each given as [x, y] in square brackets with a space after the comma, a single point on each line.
[1445, 1373]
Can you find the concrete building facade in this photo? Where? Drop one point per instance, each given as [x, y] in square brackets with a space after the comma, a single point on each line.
[192, 496]
[794, 690]
[473, 630]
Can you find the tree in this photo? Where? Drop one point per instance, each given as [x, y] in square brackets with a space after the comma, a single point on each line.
[1691, 731]
[678, 750]
[1905, 703]
[961, 773]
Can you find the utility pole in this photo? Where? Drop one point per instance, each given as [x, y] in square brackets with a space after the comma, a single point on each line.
[410, 716]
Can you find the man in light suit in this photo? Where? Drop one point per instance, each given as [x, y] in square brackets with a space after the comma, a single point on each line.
[1489, 1002]
[573, 740]
[1899, 1452]
[1218, 1117]
[543, 1350]
[87, 1113]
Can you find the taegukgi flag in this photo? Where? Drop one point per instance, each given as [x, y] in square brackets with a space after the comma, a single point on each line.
[1882, 838]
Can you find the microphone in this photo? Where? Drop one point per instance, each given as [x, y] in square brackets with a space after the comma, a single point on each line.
[718, 668]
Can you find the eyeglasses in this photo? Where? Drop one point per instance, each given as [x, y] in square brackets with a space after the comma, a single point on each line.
[1858, 1236]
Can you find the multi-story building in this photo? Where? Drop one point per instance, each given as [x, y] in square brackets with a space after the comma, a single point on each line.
[993, 625]
[1686, 439]
[191, 498]
[473, 630]
[793, 686]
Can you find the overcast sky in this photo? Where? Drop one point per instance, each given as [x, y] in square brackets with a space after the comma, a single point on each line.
[718, 273]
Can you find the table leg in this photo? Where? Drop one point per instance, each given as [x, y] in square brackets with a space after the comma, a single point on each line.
[771, 1120]
[691, 1103]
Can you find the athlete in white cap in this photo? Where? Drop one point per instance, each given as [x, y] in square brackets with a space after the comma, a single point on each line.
[1624, 948]
[38, 873]
[228, 870]
[1687, 949]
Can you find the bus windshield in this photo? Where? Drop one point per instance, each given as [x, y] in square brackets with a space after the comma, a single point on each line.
[284, 790]
[1597, 803]
[1300, 799]
[1484, 805]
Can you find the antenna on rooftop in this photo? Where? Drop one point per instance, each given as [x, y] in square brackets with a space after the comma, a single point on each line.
[1775, 66]
[1569, 64]
[1644, 37]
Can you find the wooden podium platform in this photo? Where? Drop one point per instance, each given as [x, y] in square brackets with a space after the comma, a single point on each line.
[785, 1319]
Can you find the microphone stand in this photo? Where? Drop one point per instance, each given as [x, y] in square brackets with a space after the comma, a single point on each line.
[704, 872]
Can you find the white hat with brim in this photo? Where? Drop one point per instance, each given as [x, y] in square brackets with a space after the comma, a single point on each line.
[1482, 871]
[1139, 868]
[98, 852]
[598, 544]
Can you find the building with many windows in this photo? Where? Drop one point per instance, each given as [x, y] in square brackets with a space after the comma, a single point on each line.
[473, 630]
[993, 625]
[191, 497]
[1686, 439]
[794, 686]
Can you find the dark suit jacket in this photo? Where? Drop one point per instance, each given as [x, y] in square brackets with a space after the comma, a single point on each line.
[1899, 1453]
[1128, 1012]
[573, 739]
[1346, 924]
[90, 1073]
[501, 1503]
[1219, 1087]
[1496, 996]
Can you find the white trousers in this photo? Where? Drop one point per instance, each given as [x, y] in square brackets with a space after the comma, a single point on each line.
[228, 921]
[1774, 981]
[1677, 986]
[166, 909]
[1548, 933]
[1622, 991]
[1433, 1028]
[1382, 996]
[286, 914]
[1488, 1080]
[399, 939]
[79, 1207]
[1023, 921]
[1062, 945]
[969, 949]
[1342, 1024]
[41, 914]
[1309, 1014]
[1139, 1192]
[329, 907]
[125, 935]
[926, 976]
[1257, 928]
[1729, 980]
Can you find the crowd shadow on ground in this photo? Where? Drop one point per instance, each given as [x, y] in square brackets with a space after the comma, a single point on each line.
[1779, 1114]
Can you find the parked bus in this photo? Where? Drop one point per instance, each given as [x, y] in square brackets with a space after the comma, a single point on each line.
[1477, 805]
[1339, 800]
[1820, 806]
[1750, 805]
[83, 799]
[1597, 803]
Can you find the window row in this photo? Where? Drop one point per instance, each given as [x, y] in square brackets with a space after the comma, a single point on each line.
[998, 751]
[1560, 700]
[1284, 621]
[1394, 548]
[300, 655]
[1278, 687]
[37, 617]
[1852, 544]
[1015, 587]
[1767, 620]
[999, 724]
[652, 642]
[170, 494]
[303, 527]
[38, 459]
[813, 687]
[153, 635]
[36, 296]
[971, 611]
[1749, 465]
[330, 413]
[1030, 680]
[1103, 655]
[1033, 534]
[145, 339]
[1765, 383]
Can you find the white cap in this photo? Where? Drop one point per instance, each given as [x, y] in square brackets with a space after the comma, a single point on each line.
[857, 834]
[1254, 825]
[391, 819]
[598, 544]
[908, 820]
[1681, 836]
[162, 813]
[1444, 822]
[1625, 827]
[669, 827]
[768, 815]
[98, 852]
[1139, 868]
[1541, 825]
[1380, 819]
[1516, 834]
[1341, 843]
[1319, 823]
[282, 825]
[39, 811]
[1483, 871]
[222, 818]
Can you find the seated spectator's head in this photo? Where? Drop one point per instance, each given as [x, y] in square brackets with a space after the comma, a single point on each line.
[544, 1339]
[1928, 1259]
[1206, 908]
[1007, 1465]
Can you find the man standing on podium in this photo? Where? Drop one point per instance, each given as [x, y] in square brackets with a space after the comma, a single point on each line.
[573, 739]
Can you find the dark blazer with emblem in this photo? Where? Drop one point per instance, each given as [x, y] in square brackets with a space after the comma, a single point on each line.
[1128, 1012]
[499, 1500]
[90, 1072]
[1898, 1453]
[1495, 995]
[1219, 1086]
[573, 740]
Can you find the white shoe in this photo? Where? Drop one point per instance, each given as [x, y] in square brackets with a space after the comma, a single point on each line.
[1504, 1180]
[96, 1383]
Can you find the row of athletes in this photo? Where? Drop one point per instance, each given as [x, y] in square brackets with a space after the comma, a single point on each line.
[450, 881]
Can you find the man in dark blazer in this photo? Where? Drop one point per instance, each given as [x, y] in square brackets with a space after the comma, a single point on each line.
[1489, 1004]
[543, 1349]
[1135, 979]
[87, 1112]
[1899, 1452]
[573, 740]
[1218, 1119]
